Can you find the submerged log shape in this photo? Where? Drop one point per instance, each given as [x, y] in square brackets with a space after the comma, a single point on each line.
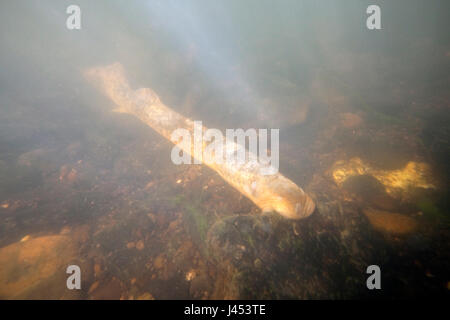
[269, 192]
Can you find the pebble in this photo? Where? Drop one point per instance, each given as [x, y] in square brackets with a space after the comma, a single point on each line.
[72, 176]
[350, 120]
[93, 286]
[159, 262]
[394, 223]
[97, 269]
[140, 245]
[257, 263]
[190, 275]
[145, 296]
[65, 230]
[149, 185]
[152, 217]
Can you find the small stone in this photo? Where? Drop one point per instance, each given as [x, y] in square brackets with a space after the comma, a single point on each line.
[173, 226]
[190, 275]
[68, 174]
[179, 181]
[145, 296]
[140, 245]
[149, 185]
[242, 247]
[5, 205]
[72, 176]
[93, 286]
[394, 223]
[159, 262]
[111, 290]
[133, 281]
[257, 263]
[26, 238]
[131, 245]
[97, 269]
[65, 230]
[351, 120]
[152, 217]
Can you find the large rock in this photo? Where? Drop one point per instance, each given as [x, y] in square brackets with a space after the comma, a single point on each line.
[36, 268]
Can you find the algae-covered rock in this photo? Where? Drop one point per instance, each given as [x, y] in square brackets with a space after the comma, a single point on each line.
[324, 256]
[397, 183]
[237, 238]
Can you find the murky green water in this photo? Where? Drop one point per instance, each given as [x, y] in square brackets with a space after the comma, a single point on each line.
[363, 118]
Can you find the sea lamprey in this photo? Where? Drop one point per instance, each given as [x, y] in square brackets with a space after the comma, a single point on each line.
[272, 192]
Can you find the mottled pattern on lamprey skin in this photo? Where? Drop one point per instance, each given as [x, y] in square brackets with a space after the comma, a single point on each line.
[269, 192]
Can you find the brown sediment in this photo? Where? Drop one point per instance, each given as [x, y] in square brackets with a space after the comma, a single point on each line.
[272, 192]
[393, 223]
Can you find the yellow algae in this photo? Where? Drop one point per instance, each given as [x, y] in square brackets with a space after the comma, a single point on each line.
[396, 182]
[394, 223]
